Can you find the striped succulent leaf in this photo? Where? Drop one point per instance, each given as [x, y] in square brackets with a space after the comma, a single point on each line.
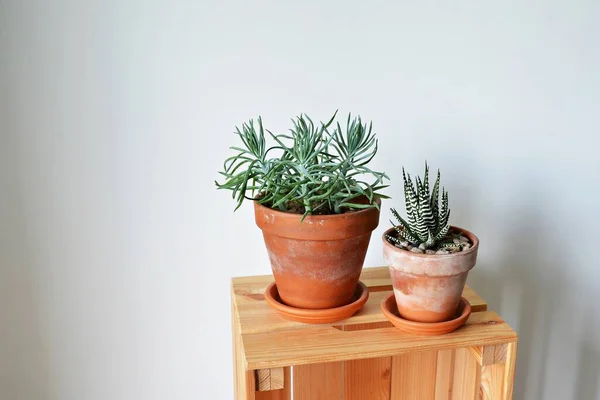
[426, 179]
[422, 227]
[407, 235]
[435, 198]
[393, 239]
[405, 231]
[444, 214]
[427, 219]
[425, 208]
[410, 199]
[450, 246]
[442, 233]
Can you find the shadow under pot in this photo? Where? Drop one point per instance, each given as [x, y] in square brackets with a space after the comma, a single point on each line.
[428, 287]
[317, 262]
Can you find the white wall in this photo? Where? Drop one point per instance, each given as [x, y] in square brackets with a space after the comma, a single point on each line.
[116, 250]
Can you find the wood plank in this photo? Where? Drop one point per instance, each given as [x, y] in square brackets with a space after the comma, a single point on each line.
[327, 344]
[444, 375]
[368, 378]
[509, 371]
[269, 379]
[478, 304]
[492, 382]
[489, 355]
[278, 378]
[497, 378]
[414, 376]
[318, 381]
[281, 394]
[263, 379]
[256, 315]
[243, 380]
[466, 381]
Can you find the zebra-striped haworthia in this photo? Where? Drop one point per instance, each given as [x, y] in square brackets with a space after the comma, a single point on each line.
[426, 224]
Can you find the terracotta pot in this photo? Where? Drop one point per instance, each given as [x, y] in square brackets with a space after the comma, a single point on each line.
[428, 287]
[317, 262]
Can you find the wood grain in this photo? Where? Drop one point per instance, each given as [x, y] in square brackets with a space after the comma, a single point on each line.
[489, 355]
[256, 315]
[243, 380]
[414, 376]
[282, 394]
[367, 378]
[269, 379]
[364, 357]
[278, 378]
[509, 371]
[318, 381]
[492, 382]
[328, 344]
[444, 375]
[467, 373]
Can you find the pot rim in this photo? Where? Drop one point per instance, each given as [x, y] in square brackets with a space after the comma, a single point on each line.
[474, 239]
[309, 217]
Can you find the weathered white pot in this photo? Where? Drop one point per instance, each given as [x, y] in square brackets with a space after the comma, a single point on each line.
[428, 287]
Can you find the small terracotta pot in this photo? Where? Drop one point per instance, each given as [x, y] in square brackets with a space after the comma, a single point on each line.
[317, 262]
[428, 287]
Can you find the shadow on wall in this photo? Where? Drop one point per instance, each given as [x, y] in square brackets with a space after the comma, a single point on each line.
[526, 281]
[588, 372]
[24, 365]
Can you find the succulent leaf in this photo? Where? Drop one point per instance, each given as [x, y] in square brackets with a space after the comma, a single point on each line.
[408, 236]
[316, 166]
[435, 197]
[451, 246]
[426, 178]
[427, 220]
[442, 233]
[425, 208]
[406, 232]
[410, 199]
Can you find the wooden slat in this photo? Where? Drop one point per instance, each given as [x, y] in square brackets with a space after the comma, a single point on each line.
[367, 378]
[492, 380]
[414, 376]
[497, 378]
[318, 381]
[269, 379]
[444, 375]
[281, 394]
[489, 355]
[509, 371]
[466, 382]
[243, 380]
[256, 316]
[278, 378]
[259, 317]
[478, 304]
[263, 379]
[327, 344]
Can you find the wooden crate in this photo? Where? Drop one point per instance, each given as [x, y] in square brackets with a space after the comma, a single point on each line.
[364, 357]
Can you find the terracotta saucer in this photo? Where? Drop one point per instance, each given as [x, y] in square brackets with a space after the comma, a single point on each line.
[321, 316]
[390, 310]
